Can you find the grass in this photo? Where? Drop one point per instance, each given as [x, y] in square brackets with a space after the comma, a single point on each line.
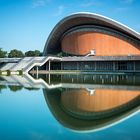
[8, 72]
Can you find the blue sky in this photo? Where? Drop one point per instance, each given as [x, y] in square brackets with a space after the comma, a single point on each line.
[26, 24]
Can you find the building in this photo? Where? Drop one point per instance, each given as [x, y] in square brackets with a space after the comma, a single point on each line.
[94, 42]
[80, 33]
[85, 42]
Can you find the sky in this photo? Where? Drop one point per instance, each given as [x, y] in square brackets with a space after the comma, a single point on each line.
[26, 24]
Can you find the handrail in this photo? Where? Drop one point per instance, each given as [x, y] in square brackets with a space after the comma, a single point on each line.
[38, 63]
[42, 82]
[20, 61]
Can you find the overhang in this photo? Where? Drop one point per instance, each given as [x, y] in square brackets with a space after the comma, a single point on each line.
[53, 43]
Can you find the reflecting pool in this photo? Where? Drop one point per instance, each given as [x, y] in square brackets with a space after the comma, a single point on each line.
[41, 107]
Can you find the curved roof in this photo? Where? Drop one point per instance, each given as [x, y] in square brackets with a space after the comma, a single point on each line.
[52, 45]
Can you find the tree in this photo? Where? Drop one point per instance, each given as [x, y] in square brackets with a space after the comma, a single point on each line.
[3, 54]
[15, 88]
[2, 87]
[37, 53]
[29, 53]
[15, 53]
[33, 53]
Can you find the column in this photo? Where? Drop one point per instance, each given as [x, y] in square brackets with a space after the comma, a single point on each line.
[134, 66]
[49, 78]
[37, 72]
[61, 65]
[114, 66]
[49, 65]
[95, 65]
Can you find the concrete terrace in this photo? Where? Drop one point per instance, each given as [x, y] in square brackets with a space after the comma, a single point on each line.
[24, 64]
[71, 63]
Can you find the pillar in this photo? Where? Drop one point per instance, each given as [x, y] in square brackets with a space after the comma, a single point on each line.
[95, 65]
[37, 72]
[61, 65]
[77, 65]
[49, 78]
[113, 66]
[134, 66]
[49, 65]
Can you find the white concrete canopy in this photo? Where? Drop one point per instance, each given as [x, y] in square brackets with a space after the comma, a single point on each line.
[53, 43]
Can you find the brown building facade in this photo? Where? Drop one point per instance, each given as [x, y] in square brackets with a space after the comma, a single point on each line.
[80, 33]
[82, 42]
[111, 45]
[102, 100]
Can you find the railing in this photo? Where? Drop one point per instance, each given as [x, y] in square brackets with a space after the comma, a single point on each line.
[101, 58]
[42, 82]
[10, 59]
[21, 61]
[38, 63]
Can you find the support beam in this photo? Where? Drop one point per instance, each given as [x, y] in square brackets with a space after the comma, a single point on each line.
[49, 65]
[77, 65]
[37, 72]
[95, 66]
[61, 65]
[114, 68]
[49, 78]
[134, 66]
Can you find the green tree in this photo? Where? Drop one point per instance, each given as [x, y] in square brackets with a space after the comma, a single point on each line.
[33, 53]
[37, 53]
[2, 87]
[29, 53]
[3, 54]
[15, 53]
[15, 88]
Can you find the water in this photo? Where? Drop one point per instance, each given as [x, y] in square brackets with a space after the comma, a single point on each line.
[70, 107]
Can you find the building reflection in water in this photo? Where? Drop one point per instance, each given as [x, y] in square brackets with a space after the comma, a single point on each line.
[91, 109]
[84, 102]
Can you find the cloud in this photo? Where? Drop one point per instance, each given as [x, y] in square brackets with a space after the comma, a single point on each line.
[89, 4]
[122, 9]
[39, 3]
[60, 10]
[127, 1]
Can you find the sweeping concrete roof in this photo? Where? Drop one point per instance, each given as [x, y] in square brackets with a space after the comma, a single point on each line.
[53, 43]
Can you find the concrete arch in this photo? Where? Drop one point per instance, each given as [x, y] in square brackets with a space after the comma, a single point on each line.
[53, 43]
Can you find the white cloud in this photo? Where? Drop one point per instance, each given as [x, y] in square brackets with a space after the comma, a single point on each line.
[60, 10]
[127, 1]
[39, 3]
[121, 9]
[89, 4]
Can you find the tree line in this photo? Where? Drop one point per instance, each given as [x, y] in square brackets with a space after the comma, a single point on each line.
[18, 53]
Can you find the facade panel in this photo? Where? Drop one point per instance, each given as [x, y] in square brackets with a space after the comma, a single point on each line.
[81, 43]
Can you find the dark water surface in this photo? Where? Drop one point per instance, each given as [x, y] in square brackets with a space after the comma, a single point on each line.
[70, 107]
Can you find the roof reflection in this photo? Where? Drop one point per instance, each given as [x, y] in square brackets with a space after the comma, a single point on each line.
[79, 110]
[85, 103]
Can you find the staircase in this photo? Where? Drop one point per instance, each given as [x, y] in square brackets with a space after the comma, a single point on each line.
[22, 64]
[28, 63]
